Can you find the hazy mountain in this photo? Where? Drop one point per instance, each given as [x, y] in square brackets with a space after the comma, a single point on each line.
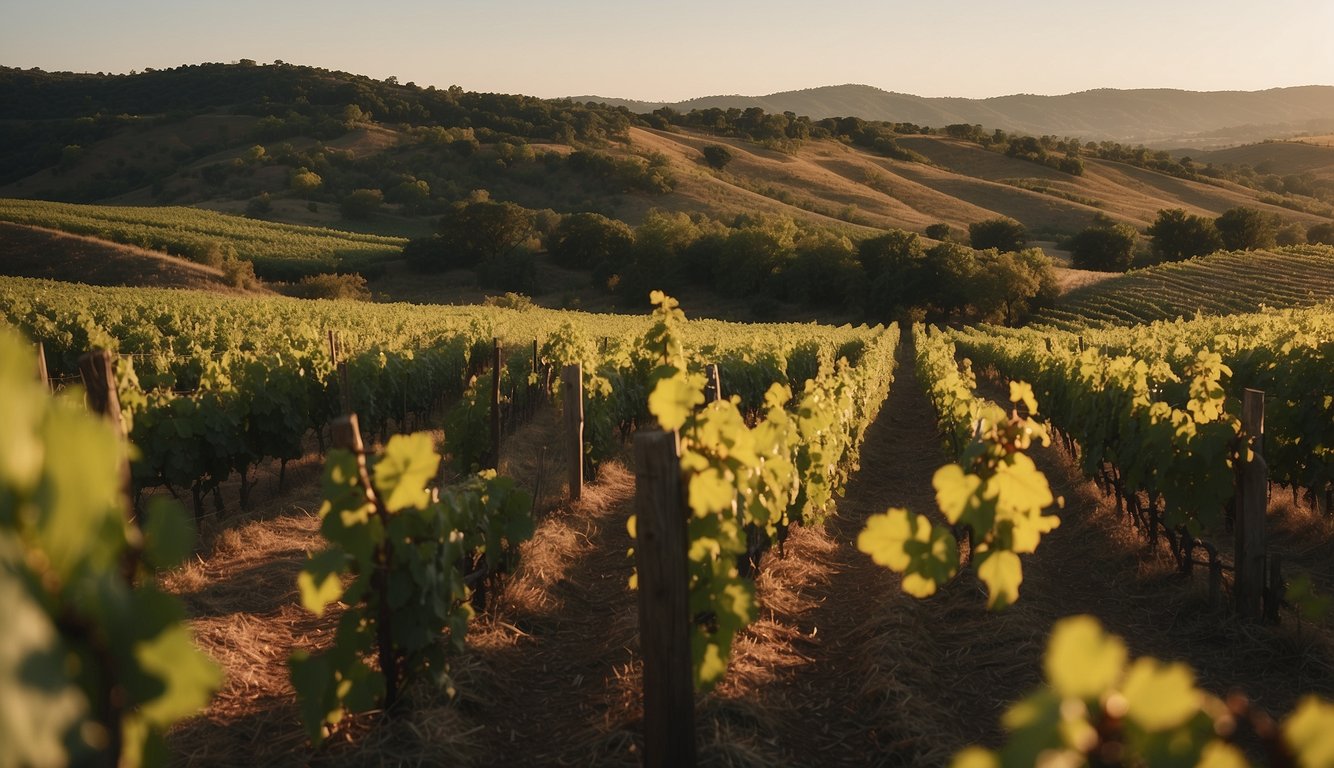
[1157, 116]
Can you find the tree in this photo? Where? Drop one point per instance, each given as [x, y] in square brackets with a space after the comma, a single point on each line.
[1245, 229]
[948, 272]
[1177, 235]
[894, 252]
[1104, 247]
[303, 181]
[939, 231]
[717, 156]
[1003, 234]
[361, 203]
[471, 234]
[588, 240]
[1321, 233]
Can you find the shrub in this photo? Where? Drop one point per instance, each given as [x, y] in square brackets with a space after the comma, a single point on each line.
[331, 286]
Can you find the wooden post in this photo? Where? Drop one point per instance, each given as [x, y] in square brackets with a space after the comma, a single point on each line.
[99, 382]
[572, 397]
[1252, 499]
[42, 375]
[713, 385]
[495, 403]
[333, 348]
[664, 606]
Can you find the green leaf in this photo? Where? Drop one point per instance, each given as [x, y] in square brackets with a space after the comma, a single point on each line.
[169, 534]
[40, 707]
[1160, 696]
[188, 676]
[674, 398]
[400, 476]
[1309, 732]
[313, 680]
[926, 555]
[954, 490]
[1083, 661]
[1002, 572]
[320, 580]
[711, 492]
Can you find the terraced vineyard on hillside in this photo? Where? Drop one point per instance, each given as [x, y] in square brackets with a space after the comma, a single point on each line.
[1221, 283]
[281, 251]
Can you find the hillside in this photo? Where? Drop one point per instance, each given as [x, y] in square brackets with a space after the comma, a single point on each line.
[1219, 284]
[292, 143]
[36, 252]
[1159, 117]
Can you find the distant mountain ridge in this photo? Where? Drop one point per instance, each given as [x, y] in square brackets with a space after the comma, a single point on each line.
[1157, 117]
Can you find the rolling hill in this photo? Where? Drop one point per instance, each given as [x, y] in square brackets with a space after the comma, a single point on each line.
[1157, 117]
[1218, 284]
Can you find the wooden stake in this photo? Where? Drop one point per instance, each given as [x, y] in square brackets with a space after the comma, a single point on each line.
[713, 384]
[1252, 500]
[572, 397]
[99, 381]
[42, 375]
[664, 607]
[495, 403]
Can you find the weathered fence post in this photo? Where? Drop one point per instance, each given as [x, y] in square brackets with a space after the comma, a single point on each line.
[1252, 499]
[99, 382]
[572, 398]
[42, 374]
[495, 403]
[713, 384]
[664, 607]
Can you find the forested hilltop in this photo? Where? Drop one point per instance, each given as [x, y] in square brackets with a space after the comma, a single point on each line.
[843, 217]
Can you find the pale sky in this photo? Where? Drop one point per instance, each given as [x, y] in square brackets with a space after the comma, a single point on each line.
[673, 50]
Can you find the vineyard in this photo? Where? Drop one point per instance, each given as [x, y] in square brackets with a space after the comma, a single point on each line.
[278, 251]
[1218, 284]
[777, 544]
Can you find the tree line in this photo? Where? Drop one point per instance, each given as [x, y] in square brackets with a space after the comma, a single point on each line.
[769, 261]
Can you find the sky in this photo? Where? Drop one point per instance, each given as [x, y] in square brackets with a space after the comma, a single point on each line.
[675, 50]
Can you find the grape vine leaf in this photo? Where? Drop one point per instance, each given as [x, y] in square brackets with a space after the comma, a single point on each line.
[1308, 730]
[926, 555]
[1002, 572]
[1160, 696]
[320, 581]
[673, 400]
[408, 463]
[1082, 660]
[39, 704]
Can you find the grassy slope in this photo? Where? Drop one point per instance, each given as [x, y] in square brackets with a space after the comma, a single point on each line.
[1222, 283]
[28, 252]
